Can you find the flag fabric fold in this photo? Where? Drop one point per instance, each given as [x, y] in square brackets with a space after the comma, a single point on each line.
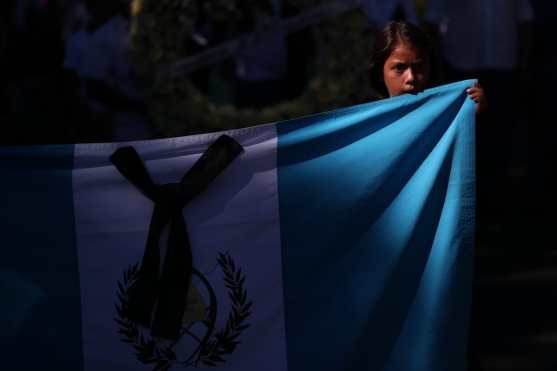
[336, 241]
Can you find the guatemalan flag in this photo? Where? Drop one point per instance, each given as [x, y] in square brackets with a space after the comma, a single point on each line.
[337, 241]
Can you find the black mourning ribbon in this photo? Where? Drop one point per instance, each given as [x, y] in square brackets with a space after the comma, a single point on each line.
[158, 301]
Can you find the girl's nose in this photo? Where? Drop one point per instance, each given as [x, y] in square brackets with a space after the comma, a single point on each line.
[409, 76]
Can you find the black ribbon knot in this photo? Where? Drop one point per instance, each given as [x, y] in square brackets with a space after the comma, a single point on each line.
[157, 300]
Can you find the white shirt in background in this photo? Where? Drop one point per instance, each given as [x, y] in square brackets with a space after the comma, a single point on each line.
[480, 34]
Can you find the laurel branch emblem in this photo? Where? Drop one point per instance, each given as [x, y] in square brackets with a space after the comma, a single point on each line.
[212, 346]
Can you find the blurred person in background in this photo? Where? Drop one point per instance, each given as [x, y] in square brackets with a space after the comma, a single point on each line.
[113, 88]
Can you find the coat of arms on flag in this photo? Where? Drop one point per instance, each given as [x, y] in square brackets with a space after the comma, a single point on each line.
[180, 309]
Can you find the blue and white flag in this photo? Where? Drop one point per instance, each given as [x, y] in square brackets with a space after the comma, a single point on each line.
[337, 241]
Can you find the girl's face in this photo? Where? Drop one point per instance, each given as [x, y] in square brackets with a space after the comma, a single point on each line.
[406, 70]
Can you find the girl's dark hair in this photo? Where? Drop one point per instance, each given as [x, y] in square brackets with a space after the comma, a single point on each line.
[385, 42]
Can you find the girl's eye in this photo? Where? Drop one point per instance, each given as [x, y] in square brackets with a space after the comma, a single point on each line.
[400, 67]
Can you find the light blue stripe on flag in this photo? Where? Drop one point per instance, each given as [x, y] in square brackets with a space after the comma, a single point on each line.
[39, 285]
[375, 201]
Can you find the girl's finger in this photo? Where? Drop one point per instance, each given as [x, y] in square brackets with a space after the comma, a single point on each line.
[475, 98]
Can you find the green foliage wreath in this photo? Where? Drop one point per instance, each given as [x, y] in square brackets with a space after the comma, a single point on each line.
[162, 27]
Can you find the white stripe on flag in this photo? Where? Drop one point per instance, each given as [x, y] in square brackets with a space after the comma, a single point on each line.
[237, 214]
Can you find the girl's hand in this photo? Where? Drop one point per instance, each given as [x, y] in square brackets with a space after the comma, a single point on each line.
[477, 94]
